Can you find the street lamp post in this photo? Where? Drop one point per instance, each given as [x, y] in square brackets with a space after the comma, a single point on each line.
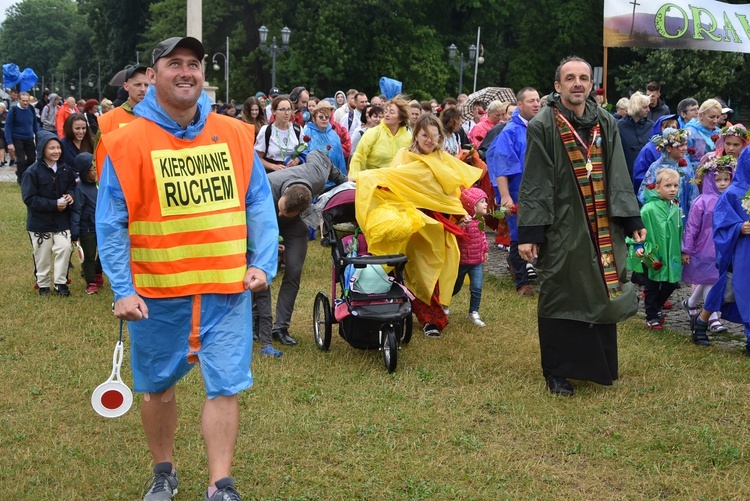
[98, 77]
[225, 55]
[274, 49]
[460, 63]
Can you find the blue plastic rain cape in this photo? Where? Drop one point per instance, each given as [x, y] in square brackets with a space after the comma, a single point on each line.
[28, 79]
[390, 87]
[732, 249]
[648, 155]
[505, 157]
[321, 140]
[11, 75]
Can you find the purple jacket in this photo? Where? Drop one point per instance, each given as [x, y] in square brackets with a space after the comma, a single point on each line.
[698, 238]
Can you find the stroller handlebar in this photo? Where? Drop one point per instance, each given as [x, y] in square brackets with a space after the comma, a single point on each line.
[388, 260]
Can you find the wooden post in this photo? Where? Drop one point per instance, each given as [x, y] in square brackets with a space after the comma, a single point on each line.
[604, 73]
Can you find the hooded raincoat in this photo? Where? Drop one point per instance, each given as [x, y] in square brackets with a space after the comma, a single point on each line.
[389, 204]
[733, 250]
[700, 141]
[227, 317]
[688, 189]
[327, 141]
[663, 222]
[698, 236]
[551, 213]
[41, 187]
[648, 155]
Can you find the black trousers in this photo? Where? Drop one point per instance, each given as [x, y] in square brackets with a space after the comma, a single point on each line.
[25, 155]
[91, 265]
[578, 350]
[517, 266]
[656, 294]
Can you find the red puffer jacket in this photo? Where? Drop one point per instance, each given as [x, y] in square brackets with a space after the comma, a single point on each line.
[473, 244]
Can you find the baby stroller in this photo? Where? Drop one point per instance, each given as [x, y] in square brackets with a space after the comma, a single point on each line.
[372, 313]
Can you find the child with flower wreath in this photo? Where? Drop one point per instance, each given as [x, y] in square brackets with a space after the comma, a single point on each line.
[731, 225]
[672, 144]
[714, 175]
[732, 140]
[661, 254]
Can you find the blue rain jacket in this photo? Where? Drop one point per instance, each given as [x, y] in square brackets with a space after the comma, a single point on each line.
[505, 157]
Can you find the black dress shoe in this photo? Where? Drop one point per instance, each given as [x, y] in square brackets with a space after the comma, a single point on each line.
[284, 337]
[559, 386]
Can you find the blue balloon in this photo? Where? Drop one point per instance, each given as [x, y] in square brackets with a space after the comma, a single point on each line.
[11, 75]
[28, 79]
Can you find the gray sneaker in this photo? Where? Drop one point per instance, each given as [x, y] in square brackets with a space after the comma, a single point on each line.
[225, 492]
[163, 485]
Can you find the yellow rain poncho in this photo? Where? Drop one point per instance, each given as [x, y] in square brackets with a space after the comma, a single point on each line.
[387, 208]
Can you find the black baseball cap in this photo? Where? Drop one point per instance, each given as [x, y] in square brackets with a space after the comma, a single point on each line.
[165, 47]
[274, 92]
[133, 70]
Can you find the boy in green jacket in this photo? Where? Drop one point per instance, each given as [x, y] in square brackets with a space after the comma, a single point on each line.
[663, 261]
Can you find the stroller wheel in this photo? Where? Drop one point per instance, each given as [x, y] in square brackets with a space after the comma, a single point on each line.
[390, 348]
[408, 327]
[322, 321]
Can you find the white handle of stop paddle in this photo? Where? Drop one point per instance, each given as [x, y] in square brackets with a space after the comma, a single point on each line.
[116, 363]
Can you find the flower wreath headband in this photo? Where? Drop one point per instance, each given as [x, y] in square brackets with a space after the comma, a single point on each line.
[726, 163]
[672, 138]
[738, 130]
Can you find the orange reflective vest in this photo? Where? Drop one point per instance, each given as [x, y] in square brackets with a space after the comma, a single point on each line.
[186, 205]
[108, 122]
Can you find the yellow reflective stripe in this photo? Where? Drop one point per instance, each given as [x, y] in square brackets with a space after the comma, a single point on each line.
[199, 223]
[229, 276]
[216, 249]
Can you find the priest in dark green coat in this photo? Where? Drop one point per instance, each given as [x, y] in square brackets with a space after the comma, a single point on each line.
[576, 205]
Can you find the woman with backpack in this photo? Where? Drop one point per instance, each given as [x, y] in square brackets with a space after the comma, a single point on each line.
[49, 113]
[277, 142]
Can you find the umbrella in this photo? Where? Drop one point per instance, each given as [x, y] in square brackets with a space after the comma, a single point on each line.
[119, 78]
[486, 96]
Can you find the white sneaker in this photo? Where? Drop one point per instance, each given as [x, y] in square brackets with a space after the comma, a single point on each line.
[473, 317]
[446, 310]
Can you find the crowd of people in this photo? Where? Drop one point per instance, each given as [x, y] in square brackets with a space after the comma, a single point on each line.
[187, 219]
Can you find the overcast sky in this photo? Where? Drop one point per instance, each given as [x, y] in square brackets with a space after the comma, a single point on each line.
[4, 4]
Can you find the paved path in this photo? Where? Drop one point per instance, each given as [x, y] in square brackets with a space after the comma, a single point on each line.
[8, 174]
[676, 319]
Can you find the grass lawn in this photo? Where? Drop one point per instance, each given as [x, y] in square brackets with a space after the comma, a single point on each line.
[463, 417]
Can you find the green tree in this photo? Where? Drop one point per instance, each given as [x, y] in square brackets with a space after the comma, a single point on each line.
[116, 29]
[37, 34]
[683, 73]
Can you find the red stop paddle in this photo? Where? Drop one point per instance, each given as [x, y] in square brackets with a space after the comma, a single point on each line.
[113, 398]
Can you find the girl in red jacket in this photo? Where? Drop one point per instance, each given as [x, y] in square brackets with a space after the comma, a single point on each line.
[474, 251]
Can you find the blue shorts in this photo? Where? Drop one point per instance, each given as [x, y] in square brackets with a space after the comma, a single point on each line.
[214, 329]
